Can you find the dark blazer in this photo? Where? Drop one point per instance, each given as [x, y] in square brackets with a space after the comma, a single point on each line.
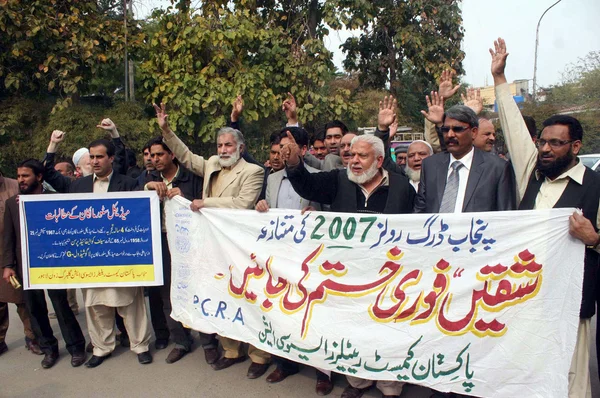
[490, 187]
[118, 183]
[335, 189]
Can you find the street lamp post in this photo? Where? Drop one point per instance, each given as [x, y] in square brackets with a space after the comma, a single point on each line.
[537, 40]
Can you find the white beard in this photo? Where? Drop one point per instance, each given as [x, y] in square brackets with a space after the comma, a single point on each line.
[230, 161]
[366, 176]
[413, 175]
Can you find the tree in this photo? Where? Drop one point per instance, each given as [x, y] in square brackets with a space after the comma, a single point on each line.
[405, 44]
[198, 61]
[56, 46]
[577, 95]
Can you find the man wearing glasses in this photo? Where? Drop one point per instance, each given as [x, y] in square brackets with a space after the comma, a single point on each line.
[464, 179]
[551, 176]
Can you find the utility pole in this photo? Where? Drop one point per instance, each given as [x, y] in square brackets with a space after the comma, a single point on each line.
[537, 40]
[126, 55]
[131, 72]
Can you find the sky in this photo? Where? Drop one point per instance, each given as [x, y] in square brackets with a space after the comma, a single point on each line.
[570, 30]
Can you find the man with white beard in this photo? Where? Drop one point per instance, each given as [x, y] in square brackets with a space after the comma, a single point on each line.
[229, 182]
[417, 151]
[364, 187]
[380, 191]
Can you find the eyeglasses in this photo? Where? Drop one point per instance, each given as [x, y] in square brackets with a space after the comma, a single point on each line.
[456, 129]
[554, 143]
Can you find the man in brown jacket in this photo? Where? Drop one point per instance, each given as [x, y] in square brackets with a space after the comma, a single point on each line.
[30, 179]
[8, 294]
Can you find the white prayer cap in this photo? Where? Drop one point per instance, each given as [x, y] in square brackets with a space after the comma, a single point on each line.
[79, 154]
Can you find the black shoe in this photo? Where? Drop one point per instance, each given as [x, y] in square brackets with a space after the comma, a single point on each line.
[3, 348]
[145, 358]
[124, 340]
[78, 359]
[96, 361]
[175, 355]
[224, 363]
[257, 369]
[49, 360]
[161, 344]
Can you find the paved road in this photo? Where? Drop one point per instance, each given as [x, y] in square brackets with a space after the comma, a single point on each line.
[121, 376]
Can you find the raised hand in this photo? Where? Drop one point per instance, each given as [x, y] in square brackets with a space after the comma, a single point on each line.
[109, 125]
[445, 86]
[289, 107]
[473, 100]
[393, 129]
[435, 106]
[262, 206]
[499, 55]
[161, 117]
[290, 152]
[56, 138]
[387, 113]
[238, 107]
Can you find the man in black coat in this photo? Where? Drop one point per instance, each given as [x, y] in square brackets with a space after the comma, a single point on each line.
[363, 187]
[169, 179]
[464, 179]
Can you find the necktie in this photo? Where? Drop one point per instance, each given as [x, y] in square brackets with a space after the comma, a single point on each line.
[451, 190]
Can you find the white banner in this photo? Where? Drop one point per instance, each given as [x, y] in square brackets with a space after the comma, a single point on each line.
[483, 304]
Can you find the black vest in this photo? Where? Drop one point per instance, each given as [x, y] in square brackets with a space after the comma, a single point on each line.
[585, 197]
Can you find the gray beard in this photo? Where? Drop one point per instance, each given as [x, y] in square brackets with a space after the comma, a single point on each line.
[413, 175]
[228, 162]
[366, 176]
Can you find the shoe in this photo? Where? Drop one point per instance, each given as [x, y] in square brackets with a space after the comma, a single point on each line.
[145, 358]
[351, 392]
[89, 348]
[324, 387]
[175, 355]
[52, 315]
[95, 361]
[224, 363]
[49, 360]
[161, 344]
[3, 348]
[211, 355]
[78, 359]
[257, 369]
[124, 340]
[279, 375]
[33, 346]
[439, 394]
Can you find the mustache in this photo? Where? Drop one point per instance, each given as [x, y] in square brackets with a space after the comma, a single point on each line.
[452, 141]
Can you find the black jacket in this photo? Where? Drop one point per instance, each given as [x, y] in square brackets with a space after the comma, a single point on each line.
[189, 183]
[335, 189]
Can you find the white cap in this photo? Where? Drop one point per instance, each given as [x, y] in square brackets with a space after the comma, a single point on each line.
[78, 155]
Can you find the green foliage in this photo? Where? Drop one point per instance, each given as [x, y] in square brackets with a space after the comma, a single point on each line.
[197, 62]
[27, 125]
[56, 47]
[404, 45]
